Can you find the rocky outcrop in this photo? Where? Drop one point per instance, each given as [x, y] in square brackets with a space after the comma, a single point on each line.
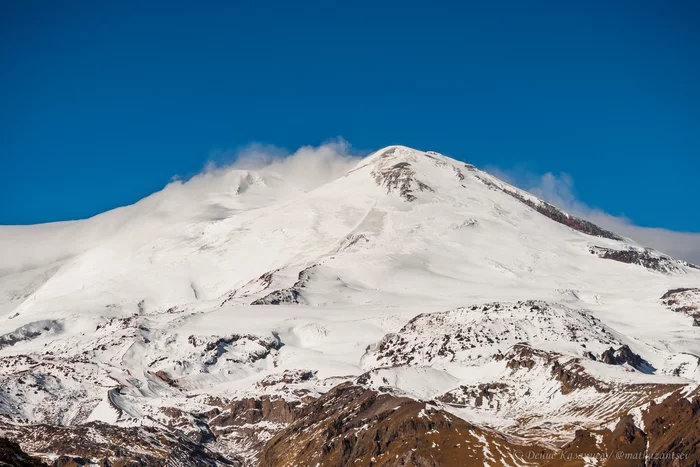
[251, 411]
[673, 430]
[642, 257]
[399, 178]
[351, 425]
[524, 356]
[253, 286]
[243, 426]
[11, 455]
[116, 446]
[684, 300]
[291, 295]
[664, 434]
[624, 355]
[236, 348]
[29, 331]
[484, 395]
[459, 334]
[288, 377]
[573, 376]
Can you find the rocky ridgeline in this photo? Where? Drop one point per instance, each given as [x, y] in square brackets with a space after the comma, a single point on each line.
[463, 333]
[351, 425]
[552, 212]
[354, 425]
[254, 286]
[291, 295]
[113, 446]
[624, 355]
[29, 331]
[647, 258]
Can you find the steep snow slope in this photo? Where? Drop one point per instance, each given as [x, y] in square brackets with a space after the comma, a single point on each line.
[230, 284]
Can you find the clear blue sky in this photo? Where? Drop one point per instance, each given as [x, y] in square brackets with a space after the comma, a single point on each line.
[101, 103]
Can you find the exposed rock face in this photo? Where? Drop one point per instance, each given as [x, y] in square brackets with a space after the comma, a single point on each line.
[478, 396]
[645, 257]
[166, 378]
[292, 295]
[451, 335]
[288, 377]
[351, 425]
[12, 455]
[393, 171]
[250, 411]
[29, 331]
[400, 178]
[244, 426]
[625, 355]
[254, 286]
[279, 297]
[236, 348]
[117, 446]
[193, 425]
[628, 443]
[573, 376]
[624, 446]
[673, 430]
[684, 300]
[554, 213]
[354, 426]
[666, 434]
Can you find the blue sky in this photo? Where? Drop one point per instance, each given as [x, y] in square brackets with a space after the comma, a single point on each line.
[102, 103]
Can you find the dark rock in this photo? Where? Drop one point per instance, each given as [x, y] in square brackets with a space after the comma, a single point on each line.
[625, 355]
[646, 258]
[291, 295]
[684, 300]
[12, 455]
[555, 214]
[351, 425]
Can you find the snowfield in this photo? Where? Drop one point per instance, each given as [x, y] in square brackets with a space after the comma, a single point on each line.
[411, 273]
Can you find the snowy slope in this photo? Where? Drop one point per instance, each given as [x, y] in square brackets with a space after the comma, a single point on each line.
[220, 285]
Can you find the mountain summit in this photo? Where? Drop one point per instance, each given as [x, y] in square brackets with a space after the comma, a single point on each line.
[225, 315]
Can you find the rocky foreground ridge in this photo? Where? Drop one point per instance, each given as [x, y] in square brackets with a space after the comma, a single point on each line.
[353, 425]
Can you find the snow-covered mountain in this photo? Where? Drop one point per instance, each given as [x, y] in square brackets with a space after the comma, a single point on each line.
[221, 313]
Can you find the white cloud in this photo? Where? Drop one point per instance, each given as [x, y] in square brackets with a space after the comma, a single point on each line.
[199, 197]
[308, 167]
[559, 190]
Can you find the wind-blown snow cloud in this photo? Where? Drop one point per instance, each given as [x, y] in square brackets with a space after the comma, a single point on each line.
[201, 197]
[308, 167]
[559, 190]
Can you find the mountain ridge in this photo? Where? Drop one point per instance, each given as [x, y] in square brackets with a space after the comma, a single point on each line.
[410, 275]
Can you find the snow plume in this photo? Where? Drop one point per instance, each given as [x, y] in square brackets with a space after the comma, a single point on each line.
[308, 167]
[559, 190]
[206, 196]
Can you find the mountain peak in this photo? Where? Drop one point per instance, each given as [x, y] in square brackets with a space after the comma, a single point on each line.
[401, 153]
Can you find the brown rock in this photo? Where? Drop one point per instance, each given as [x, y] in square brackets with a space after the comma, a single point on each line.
[351, 425]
